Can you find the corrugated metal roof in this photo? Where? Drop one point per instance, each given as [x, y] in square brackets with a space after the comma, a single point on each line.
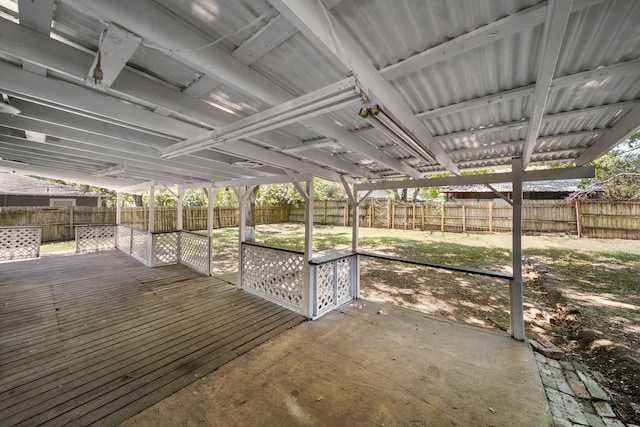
[475, 96]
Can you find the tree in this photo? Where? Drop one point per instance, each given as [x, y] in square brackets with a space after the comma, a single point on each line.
[619, 171]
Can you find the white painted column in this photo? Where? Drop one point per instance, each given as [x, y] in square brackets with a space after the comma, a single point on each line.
[516, 299]
[152, 208]
[118, 207]
[243, 196]
[307, 282]
[179, 219]
[211, 196]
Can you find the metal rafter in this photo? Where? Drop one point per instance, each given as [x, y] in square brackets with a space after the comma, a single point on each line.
[36, 16]
[556, 23]
[314, 21]
[167, 31]
[626, 127]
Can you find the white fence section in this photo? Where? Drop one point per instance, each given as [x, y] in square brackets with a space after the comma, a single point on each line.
[274, 274]
[93, 238]
[19, 242]
[166, 248]
[196, 251]
[334, 281]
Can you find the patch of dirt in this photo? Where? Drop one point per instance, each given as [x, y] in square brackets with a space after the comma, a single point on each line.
[600, 336]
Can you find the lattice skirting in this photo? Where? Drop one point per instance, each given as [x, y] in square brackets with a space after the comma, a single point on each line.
[195, 252]
[273, 274]
[95, 238]
[334, 284]
[19, 242]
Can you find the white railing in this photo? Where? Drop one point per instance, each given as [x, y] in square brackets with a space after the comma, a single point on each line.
[19, 242]
[93, 238]
[334, 281]
[166, 248]
[274, 274]
[195, 251]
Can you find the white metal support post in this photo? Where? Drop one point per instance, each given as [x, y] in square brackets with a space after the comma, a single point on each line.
[211, 196]
[152, 208]
[118, 208]
[179, 218]
[516, 308]
[355, 226]
[243, 194]
[308, 289]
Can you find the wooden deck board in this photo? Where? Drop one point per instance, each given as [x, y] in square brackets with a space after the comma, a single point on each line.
[96, 338]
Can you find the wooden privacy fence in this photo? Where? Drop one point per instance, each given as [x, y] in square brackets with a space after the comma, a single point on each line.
[598, 219]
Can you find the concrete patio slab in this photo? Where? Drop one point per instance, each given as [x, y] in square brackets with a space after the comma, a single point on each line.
[368, 364]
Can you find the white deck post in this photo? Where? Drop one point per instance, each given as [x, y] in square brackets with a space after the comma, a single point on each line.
[211, 196]
[179, 219]
[243, 197]
[308, 289]
[307, 283]
[355, 225]
[118, 207]
[516, 308]
[152, 208]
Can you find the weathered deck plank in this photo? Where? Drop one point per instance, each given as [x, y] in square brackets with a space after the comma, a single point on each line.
[96, 338]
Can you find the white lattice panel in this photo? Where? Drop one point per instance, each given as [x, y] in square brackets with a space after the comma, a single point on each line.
[95, 238]
[325, 275]
[273, 273]
[344, 277]
[165, 249]
[124, 238]
[333, 284]
[19, 242]
[140, 245]
[195, 252]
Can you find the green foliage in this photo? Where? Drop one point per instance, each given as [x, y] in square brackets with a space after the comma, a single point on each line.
[278, 194]
[225, 198]
[619, 171]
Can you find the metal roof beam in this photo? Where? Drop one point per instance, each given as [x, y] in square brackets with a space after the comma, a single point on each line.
[91, 153]
[73, 98]
[556, 23]
[66, 125]
[29, 45]
[36, 16]
[494, 178]
[622, 130]
[164, 30]
[266, 39]
[315, 22]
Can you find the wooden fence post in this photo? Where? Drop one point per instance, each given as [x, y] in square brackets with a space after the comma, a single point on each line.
[406, 216]
[414, 216]
[491, 216]
[371, 209]
[464, 220]
[393, 214]
[578, 219]
[442, 216]
[71, 232]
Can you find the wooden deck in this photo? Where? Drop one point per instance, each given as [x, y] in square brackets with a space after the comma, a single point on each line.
[96, 338]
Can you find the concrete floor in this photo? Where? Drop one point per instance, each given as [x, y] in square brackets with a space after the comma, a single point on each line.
[367, 364]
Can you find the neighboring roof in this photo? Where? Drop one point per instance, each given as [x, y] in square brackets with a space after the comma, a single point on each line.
[560, 186]
[475, 82]
[14, 184]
